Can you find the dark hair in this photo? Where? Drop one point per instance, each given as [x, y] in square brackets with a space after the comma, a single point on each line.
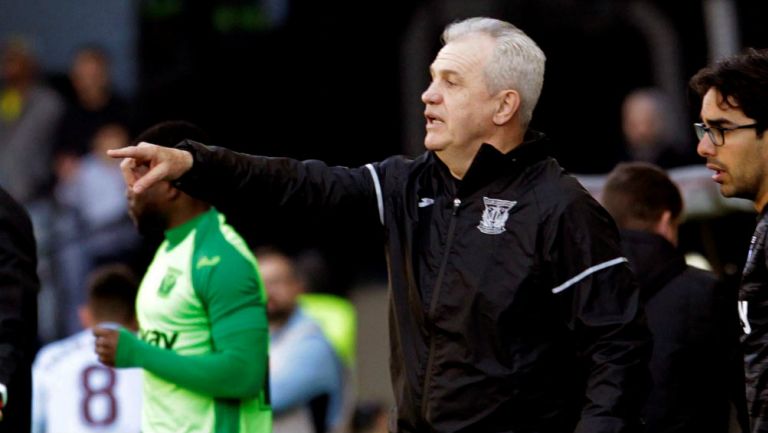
[742, 80]
[95, 50]
[171, 133]
[636, 194]
[112, 293]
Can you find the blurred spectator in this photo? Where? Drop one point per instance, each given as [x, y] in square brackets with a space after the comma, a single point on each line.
[96, 191]
[74, 393]
[306, 381]
[648, 134]
[695, 363]
[94, 105]
[84, 226]
[29, 115]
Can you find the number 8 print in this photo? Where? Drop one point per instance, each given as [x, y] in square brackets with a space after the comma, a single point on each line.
[91, 392]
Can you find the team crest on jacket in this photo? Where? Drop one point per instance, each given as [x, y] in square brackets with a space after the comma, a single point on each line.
[168, 282]
[495, 215]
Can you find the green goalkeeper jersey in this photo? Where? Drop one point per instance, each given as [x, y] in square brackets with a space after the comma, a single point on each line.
[203, 334]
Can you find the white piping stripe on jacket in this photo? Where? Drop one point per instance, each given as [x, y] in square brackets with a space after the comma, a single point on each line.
[743, 310]
[377, 185]
[589, 271]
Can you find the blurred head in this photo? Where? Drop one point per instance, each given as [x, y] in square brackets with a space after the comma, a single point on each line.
[90, 74]
[111, 297]
[733, 92]
[17, 63]
[154, 210]
[487, 76]
[282, 283]
[640, 196]
[645, 120]
[110, 136]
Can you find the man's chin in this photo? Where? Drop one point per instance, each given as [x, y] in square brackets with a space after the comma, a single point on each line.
[433, 145]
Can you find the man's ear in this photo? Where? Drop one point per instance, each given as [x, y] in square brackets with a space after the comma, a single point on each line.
[667, 227]
[85, 316]
[169, 191]
[508, 107]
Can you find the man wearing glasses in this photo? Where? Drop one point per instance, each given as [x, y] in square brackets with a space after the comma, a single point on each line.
[732, 136]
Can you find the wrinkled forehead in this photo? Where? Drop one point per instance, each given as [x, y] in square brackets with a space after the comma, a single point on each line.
[464, 54]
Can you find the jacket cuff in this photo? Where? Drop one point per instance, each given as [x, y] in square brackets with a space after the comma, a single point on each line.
[3, 395]
[193, 174]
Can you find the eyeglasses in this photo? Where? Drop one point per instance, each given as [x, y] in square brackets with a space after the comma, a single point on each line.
[716, 133]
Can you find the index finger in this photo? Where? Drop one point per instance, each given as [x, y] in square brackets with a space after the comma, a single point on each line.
[126, 152]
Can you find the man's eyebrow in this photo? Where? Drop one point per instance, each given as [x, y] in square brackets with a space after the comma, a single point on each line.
[716, 122]
[449, 74]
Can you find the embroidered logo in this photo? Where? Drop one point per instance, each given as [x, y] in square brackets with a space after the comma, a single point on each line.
[495, 215]
[207, 261]
[169, 280]
[426, 201]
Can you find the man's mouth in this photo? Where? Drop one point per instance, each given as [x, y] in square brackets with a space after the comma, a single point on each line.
[433, 120]
[719, 172]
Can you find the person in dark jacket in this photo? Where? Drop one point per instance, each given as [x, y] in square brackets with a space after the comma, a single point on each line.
[18, 314]
[695, 364]
[512, 308]
[732, 136]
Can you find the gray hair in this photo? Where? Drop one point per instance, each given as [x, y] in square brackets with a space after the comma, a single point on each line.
[517, 62]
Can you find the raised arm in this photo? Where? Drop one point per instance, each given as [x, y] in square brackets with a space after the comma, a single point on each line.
[234, 182]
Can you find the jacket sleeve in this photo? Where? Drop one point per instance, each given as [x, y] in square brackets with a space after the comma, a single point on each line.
[18, 292]
[600, 302]
[235, 181]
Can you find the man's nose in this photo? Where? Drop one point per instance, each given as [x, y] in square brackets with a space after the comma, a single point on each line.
[431, 96]
[705, 147]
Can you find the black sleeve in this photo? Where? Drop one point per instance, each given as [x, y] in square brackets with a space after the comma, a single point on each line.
[18, 310]
[236, 182]
[600, 302]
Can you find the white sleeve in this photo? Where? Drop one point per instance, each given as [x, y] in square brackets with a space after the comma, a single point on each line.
[38, 401]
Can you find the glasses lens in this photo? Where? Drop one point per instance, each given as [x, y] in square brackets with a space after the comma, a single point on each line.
[717, 136]
[700, 131]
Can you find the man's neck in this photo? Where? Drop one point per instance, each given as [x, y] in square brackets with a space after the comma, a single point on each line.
[760, 204]
[459, 160]
[188, 213]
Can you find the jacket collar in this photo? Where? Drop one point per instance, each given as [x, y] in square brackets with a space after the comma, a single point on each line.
[490, 164]
[653, 259]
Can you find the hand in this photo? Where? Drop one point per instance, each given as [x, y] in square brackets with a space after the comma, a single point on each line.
[106, 345]
[162, 163]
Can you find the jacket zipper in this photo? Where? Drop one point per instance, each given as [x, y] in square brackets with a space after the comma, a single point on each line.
[433, 305]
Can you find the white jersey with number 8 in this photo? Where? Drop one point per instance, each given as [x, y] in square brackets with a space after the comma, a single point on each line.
[73, 392]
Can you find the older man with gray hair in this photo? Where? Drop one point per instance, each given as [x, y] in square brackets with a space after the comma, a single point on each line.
[511, 308]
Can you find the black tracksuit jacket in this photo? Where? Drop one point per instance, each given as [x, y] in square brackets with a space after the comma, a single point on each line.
[753, 297]
[511, 306]
[696, 366]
